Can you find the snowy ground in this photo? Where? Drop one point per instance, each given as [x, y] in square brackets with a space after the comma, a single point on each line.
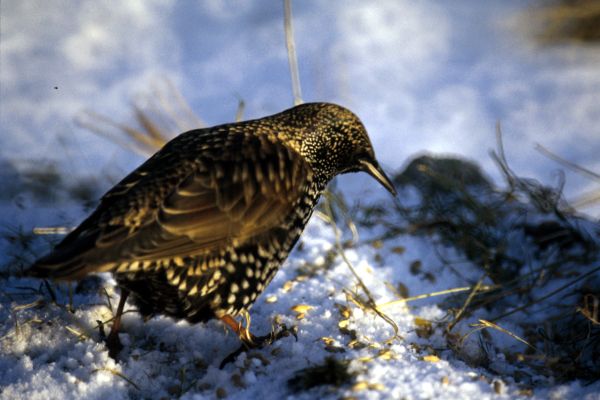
[425, 76]
[48, 352]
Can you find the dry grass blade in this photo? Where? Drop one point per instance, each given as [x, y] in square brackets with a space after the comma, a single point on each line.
[545, 199]
[552, 293]
[291, 50]
[461, 312]
[100, 324]
[370, 303]
[329, 218]
[151, 134]
[117, 373]
[160, 115]
[239, 114]
[80, 335]
[591, 308]
[483, 324]
[181, 115]
[568, 164]
[481, 288]
[105, 127]
[583, 200]
[33, 304]
[52, 230]
[19, 325]
[108, 300]
[587, 199]
[500, 157]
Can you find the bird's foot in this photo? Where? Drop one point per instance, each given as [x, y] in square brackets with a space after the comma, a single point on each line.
[114, 346]
[112, 341]
[249, 341]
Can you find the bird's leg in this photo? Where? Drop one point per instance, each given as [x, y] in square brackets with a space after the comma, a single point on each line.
[249, 341]
[242, 331]
[112, 341]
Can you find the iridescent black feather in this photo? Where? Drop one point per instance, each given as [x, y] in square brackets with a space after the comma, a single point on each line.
[200, 229]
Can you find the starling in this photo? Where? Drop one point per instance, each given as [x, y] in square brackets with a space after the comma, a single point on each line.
[200, 229]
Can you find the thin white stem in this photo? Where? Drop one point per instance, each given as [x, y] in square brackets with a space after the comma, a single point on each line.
[291, 50]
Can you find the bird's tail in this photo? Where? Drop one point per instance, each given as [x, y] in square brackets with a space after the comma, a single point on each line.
[47, 270]
[65, 262]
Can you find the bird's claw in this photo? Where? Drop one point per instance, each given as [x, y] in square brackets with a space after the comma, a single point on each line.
[249, 341]
[262, 341]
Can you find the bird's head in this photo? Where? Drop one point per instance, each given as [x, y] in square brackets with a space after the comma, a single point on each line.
[334, 141]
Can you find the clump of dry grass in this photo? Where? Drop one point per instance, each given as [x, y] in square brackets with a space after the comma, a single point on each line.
[565, 21]
[159, 114]
[535, 255]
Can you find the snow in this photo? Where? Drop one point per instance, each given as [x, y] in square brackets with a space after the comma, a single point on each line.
[162, 358]
[423, 77]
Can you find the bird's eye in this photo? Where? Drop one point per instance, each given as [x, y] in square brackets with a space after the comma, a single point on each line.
[362, 156]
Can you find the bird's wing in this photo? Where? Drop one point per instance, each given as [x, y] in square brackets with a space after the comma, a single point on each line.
[178, 205]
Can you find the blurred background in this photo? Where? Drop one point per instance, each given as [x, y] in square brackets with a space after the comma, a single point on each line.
[425, 77]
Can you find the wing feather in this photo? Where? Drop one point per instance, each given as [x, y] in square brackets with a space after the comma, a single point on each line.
[191, 200]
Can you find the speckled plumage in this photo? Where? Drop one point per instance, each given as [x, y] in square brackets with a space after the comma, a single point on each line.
[200, 229]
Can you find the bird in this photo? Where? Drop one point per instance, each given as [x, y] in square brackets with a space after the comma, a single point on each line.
[200, 229]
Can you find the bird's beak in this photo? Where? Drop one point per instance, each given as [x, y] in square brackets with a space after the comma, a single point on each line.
[373, 169]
